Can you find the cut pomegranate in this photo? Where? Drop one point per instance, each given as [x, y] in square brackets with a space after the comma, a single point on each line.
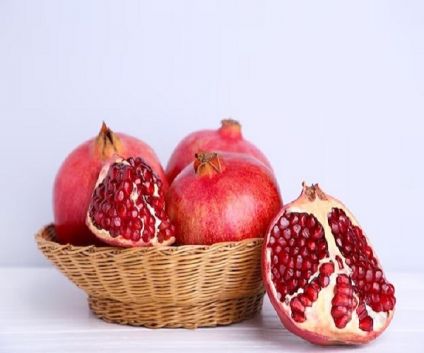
[77, 177]
[128, 206]
[321, 274]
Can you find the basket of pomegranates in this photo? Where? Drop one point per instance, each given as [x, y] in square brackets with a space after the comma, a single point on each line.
[181, 249]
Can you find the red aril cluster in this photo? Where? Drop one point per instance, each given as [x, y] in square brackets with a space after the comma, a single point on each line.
[128, 206]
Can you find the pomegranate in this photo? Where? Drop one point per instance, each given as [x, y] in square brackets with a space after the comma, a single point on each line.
[228, 138]
[222, 197]
[322, 275]
[77, 177]
[128, 206]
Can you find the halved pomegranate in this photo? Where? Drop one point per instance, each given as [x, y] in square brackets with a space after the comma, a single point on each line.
[321, 274]
[128, 206]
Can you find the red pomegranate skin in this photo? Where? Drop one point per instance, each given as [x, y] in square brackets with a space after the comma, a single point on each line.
[237, 203]
[228, 138]
[77, 176]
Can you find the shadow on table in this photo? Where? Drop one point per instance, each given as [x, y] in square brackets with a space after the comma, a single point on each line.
[268, 330]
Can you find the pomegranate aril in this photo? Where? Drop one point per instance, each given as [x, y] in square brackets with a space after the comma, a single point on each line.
[375, 287]
[369, 275]
[136, 236]
[284, 223]
[342, 279]
[341, 299]
[311, 293]
[311, 244]
[306, 265]
[318, 233]
[342, 321]
[298, 316]
[327, 268]
[324, 281]
[366, 324]
[287, 233]
[305, 300]
[337, 311]
[296, 305]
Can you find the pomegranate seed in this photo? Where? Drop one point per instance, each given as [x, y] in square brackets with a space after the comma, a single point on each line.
[366, 324]
[311, 293]
[298, 316]
[338, 311]
[305, 300]
[296, 305]
[324, 281]
[327, 268]
[342, 321]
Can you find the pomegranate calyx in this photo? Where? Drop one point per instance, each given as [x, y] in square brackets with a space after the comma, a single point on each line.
[207, 163]
[313, 191]
[230, 128]
[107, 143]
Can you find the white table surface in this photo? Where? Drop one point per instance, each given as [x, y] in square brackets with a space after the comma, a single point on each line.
[41, 311]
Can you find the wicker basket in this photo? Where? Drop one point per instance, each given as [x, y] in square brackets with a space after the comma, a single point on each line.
[184, 286]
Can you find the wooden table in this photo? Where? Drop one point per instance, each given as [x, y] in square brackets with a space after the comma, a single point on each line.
[41, 311]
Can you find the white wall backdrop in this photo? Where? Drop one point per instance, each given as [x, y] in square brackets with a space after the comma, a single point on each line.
[333, 92]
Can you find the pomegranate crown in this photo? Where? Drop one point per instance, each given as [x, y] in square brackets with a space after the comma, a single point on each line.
[107, 143]
[207, 163]
[313, 191]
[230, 128]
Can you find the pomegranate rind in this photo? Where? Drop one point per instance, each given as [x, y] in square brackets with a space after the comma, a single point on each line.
[324, 331]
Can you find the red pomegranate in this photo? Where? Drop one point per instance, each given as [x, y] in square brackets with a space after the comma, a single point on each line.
[222, 197]
[228, 138]
[322, 275]
[128, 206]
[77, 177]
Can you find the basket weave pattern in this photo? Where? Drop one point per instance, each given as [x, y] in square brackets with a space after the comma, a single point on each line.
[184, 286]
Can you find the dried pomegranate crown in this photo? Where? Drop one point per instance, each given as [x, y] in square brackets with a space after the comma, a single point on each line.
[322, 275]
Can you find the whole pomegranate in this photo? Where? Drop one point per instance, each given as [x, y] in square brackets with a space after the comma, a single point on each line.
[128, 206]
[77, 177]
[322, 275]
[222, 197]
[227, 138]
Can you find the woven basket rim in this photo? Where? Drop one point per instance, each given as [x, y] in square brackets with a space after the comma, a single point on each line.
[42, 236]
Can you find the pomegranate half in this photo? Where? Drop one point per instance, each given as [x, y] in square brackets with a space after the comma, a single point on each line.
[228, 138]
[76, 179]
[222, 197]
[128, 206]
[322, 275]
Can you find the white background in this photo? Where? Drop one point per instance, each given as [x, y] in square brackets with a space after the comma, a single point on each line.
[332, 92]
